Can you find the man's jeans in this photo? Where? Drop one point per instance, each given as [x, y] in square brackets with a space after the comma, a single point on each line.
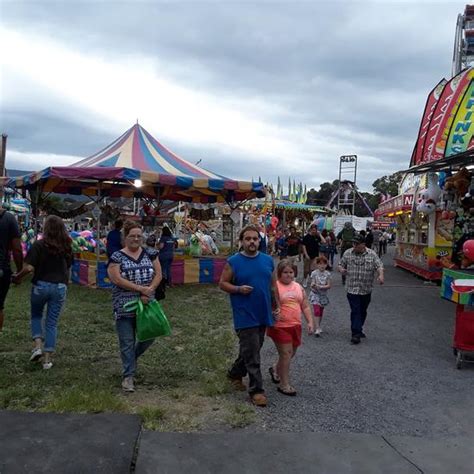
[52, 295]
[359, 305]
[248, 362]
[130, 349]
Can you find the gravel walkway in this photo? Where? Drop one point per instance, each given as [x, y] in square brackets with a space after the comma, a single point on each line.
[400, 380]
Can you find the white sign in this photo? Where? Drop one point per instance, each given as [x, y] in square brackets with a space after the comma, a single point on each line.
[95, 212]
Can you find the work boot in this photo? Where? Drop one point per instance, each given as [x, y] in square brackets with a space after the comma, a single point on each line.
[259, 399]
[237, 384]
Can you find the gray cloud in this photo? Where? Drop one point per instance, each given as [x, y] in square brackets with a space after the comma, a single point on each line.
[352, 75]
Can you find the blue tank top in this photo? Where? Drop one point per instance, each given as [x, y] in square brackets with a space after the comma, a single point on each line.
[254, 309]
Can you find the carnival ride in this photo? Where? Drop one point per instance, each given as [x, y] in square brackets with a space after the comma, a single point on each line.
[345, 197]
[463, 54]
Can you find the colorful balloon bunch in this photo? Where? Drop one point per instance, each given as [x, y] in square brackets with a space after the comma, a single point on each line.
[84, 241]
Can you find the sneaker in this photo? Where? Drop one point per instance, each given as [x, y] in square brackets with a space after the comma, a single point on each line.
[259, 399]
[47, 365]
[355, 339]
[318, 332]
[36, 354]
[127, 384]
[238, 385]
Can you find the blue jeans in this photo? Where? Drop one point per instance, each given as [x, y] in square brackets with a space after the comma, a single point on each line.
[130, 349]
[359, 305]
[165, 263]
[53, 296]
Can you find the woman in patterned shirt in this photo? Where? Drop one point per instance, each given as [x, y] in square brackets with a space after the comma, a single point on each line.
[135, 273]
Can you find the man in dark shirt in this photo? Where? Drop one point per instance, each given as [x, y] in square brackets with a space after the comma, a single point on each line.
[9, 243]
[114, 238]
[310, 250]
[293, 249]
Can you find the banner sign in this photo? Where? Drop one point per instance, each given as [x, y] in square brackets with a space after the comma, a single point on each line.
[460, 135]
[430, 107]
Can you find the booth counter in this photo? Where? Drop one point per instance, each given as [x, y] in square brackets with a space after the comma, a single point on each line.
[184, 270]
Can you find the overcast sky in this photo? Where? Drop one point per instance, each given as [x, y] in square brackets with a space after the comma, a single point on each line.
[251, 88]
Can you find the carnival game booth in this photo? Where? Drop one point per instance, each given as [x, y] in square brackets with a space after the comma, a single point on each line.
[136, 165]
[435, 208]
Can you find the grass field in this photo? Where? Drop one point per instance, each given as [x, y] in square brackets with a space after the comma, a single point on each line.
[181, 383]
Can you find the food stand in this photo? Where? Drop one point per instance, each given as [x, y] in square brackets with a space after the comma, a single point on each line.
[435, 206]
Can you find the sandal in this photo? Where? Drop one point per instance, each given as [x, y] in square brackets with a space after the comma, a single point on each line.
[273, 375]
[291, 392]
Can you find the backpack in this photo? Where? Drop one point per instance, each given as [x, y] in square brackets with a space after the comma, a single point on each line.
[347, 234]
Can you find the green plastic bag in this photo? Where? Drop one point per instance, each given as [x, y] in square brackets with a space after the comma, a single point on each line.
[151, 320]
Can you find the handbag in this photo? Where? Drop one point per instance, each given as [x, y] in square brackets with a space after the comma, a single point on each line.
[160, 292]
[151, 320]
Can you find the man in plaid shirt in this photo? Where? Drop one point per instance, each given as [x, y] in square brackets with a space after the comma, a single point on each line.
[360, 264]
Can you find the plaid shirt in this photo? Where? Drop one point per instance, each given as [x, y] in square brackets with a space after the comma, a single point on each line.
[361, 269]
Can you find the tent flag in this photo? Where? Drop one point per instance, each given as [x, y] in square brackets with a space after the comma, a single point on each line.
[430, 106]
[446, 127]
[438, 151]
[460, 135]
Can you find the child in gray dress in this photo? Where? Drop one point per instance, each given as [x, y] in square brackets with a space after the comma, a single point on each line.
[318, 297]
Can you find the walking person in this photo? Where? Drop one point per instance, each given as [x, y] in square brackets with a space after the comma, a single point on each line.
[248, 278]
[310, 250]
[318, 297]
[10, 243]
[376, 243]
[114, 238]
[369, 239]
[50, 260]
[331, 242]
[287, 330]
[344, 239]
[166, 244]
[293, 248]
[135, 273]
[360, 265]
[325, 246]
[282, 244]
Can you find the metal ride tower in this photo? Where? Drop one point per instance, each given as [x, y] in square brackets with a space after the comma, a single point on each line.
[345, 196]
[463, 54]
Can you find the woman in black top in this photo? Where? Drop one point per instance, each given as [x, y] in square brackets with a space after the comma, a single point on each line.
[49, 259]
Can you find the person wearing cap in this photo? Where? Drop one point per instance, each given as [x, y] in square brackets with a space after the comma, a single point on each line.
[360, 265]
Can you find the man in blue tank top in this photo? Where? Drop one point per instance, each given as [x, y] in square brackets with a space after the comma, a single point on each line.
[248, 278]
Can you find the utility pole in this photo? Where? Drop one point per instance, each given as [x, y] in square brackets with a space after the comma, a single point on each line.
[3, 153]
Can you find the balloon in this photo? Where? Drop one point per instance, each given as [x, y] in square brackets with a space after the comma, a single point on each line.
[468, 249]
[274, 222]
[87, 234]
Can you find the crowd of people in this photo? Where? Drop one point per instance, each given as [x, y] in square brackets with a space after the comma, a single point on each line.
[265, 301]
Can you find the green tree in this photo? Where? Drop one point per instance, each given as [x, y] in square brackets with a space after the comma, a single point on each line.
[387, 184]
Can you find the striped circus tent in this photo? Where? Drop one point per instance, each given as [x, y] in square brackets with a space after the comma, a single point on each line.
[138, 165]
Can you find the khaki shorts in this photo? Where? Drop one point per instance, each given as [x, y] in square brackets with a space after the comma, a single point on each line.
[309, 265]
[293, 260]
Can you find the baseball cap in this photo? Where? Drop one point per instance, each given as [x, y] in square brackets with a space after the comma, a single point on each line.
[358, 239]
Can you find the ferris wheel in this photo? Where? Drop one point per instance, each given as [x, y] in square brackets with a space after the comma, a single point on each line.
[463, 54]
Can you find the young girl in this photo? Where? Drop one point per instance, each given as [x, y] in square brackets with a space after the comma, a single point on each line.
[320, 284]
[50, 261]
[286, 332]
